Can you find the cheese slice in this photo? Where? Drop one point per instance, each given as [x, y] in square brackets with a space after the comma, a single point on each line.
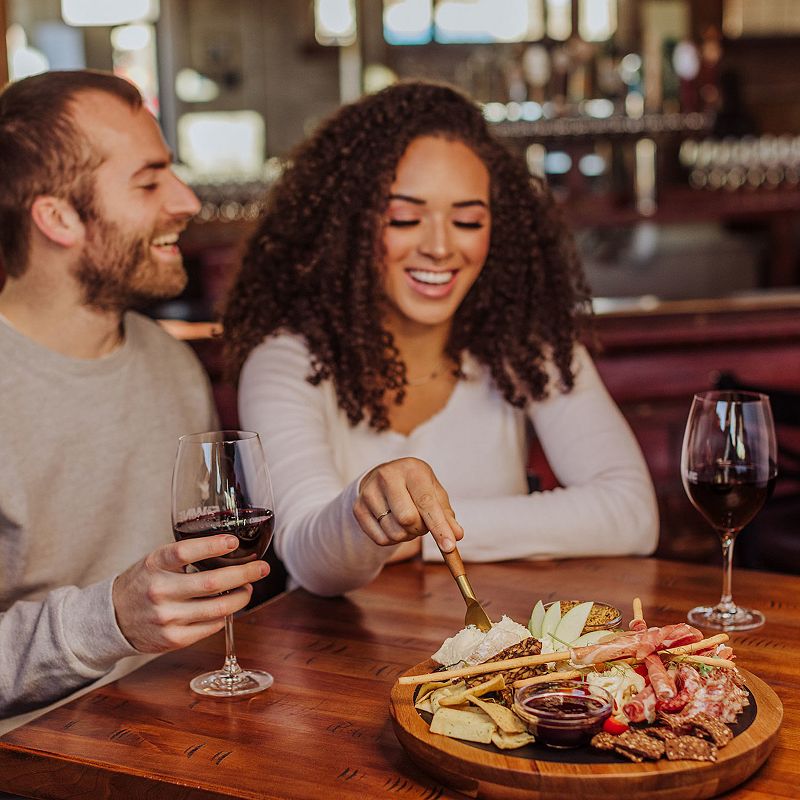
[467, 725]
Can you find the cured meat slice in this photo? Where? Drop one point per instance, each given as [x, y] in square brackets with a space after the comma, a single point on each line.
[636, 644]
[719, 696]
[660, 679]
[637, 625]
[678, 635]
[642, 707]
[688, 683]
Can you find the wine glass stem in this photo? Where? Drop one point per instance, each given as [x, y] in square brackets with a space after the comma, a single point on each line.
[231, 667]
[726, 604]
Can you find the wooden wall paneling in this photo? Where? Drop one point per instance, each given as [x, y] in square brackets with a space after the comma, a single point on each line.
[3, 51]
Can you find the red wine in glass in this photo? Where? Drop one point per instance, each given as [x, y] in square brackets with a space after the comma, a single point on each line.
[251, 526]
[729, 496]
[221, 484]
[728, 467]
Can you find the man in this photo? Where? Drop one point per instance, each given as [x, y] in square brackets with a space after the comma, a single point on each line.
[92, 395]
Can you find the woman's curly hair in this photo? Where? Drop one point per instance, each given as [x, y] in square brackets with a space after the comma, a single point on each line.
[312, 266]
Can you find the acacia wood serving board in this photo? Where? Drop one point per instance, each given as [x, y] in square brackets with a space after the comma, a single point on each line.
[490, 773]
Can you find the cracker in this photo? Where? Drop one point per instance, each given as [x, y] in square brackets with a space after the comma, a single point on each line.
[675, 723]
[603, 741]
[628, 754]
[640, 744]
[458, 724]
[711, 728]
[510, 741]
[505, 719]
[690, 748]
[437, 695]
[661, 733]
[460, 697]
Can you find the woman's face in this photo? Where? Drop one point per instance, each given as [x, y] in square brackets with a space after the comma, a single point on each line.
[435, 233]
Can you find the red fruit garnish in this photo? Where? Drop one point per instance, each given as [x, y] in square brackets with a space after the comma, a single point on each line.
[614, 726]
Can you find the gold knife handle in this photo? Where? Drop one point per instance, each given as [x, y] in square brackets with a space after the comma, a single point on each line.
[466, 590]
[456, 567]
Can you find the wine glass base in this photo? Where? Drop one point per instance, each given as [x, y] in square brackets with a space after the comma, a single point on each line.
[220, 684]
[740, 619]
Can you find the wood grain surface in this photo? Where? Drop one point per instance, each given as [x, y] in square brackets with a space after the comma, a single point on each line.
[324, 729]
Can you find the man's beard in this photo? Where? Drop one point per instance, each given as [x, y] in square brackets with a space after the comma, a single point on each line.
[117, 272]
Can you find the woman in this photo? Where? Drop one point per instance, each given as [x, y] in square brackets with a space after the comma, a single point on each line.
[408, 308]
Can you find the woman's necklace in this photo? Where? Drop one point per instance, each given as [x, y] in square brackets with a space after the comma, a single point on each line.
[432, 376]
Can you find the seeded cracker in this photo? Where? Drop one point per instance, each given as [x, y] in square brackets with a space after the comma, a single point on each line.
[604, 741]
[711, 728]
[673, 722]
[638, 746]
[661, 733]
[690, 748]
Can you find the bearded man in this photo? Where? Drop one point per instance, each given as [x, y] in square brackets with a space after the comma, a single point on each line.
[93, 396]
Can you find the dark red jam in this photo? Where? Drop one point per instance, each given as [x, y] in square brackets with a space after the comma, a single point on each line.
[565, 715]
[559, 706]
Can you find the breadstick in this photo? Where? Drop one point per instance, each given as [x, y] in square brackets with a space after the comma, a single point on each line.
[638, 615]
[482, 669]
[709, 660]
[567, 675]
[703, 644]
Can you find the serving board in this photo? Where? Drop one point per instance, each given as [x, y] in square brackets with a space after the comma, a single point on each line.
[512, 775]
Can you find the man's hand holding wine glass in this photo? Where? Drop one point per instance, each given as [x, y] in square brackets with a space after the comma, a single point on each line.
[159, 607]
[221, 490]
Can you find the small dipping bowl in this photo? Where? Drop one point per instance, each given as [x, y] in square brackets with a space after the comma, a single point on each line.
[563, 714]
[603, 616]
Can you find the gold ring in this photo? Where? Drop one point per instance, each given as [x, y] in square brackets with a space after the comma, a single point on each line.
[385, 514]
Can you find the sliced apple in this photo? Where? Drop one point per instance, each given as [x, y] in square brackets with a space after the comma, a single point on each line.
[571, 624]
[552, 619]
[536, 620]
[552, 645]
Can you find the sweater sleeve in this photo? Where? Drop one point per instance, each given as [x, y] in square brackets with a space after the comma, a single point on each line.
[316, 535]
[605, 505]
[52, 647]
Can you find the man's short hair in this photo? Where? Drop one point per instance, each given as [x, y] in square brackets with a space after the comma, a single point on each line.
[43, 151]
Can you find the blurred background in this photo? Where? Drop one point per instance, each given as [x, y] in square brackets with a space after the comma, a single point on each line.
[668, 129]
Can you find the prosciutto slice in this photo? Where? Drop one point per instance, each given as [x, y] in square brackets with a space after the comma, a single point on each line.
[641, 707]
[636, 644]
[679, 635]
[660, 679]
[724, 651]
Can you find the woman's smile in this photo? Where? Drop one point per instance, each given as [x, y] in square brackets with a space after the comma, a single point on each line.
[434, 284]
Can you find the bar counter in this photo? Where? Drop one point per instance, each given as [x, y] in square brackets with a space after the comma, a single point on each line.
[323, 730]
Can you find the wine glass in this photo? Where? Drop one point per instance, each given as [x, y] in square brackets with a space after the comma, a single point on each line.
[220, 484]
[728, 467]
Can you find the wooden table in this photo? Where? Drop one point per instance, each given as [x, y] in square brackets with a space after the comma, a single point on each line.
[323, 729]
